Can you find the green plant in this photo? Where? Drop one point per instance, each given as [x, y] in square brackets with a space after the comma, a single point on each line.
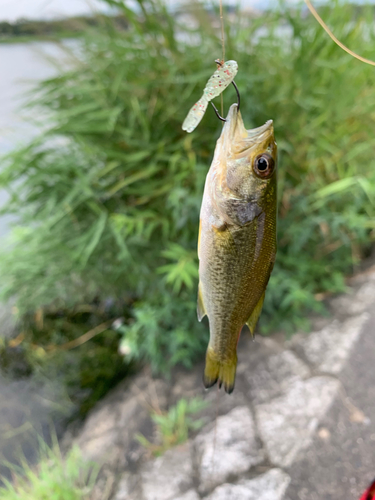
[173, 426]
[107, 198]
[54, 478]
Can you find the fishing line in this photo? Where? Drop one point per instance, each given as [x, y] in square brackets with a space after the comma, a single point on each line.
[332, 36]
[222, 28]
[223, 47]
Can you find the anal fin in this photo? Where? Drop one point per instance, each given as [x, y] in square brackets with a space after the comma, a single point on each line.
[253, 320]
[201, 310]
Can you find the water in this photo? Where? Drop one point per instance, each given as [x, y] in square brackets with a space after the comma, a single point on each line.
[21, 67]
[28, 407]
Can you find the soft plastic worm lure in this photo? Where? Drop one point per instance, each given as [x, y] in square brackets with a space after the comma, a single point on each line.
[219, 81]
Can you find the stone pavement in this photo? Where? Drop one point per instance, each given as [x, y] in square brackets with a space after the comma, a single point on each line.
[300, 424]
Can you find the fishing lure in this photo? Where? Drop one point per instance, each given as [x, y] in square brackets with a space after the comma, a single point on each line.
[237, 240]
[219, 81]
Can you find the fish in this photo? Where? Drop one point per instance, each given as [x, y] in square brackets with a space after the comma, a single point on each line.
[237, 240]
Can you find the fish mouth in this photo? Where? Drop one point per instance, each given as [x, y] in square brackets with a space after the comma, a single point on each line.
[235, 132]
[258, 132]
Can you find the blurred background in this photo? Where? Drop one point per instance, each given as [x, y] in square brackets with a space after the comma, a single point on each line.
[100, 189]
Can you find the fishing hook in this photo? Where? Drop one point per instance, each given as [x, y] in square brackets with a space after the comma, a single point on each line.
[238, 96]
[219, 63]
[217, 113]
[238, 104]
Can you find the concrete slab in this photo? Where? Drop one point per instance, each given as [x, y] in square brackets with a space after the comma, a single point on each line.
[340, 462]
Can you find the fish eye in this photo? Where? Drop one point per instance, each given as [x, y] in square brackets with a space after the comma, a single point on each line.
[264, 165]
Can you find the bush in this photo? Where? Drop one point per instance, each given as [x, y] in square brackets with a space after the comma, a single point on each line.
[112, 210]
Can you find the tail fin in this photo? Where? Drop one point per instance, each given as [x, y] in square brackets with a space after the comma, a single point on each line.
[221, 371]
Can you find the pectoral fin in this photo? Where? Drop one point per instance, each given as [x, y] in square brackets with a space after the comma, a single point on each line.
[252, 321]
[201, 310]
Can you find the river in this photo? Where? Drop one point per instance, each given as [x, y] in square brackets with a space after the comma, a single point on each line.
[28, 406]
[22, 65]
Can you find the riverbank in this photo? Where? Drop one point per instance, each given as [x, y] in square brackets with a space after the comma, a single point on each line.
[24, 31]
[24, 39]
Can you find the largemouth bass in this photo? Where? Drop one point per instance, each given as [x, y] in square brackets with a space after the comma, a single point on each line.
[237, 240]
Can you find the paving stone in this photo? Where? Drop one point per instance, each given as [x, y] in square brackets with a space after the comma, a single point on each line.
[128, 487]
[190, 495]
[104, 486]
[220, 403]
[108, 433]
[329, 348]
[269, 486]
[252, 352]
[187, 384]
[340, 465]
[355, 301]
[287, 423]
[227, 449]
[274, 375]
[170, 475]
